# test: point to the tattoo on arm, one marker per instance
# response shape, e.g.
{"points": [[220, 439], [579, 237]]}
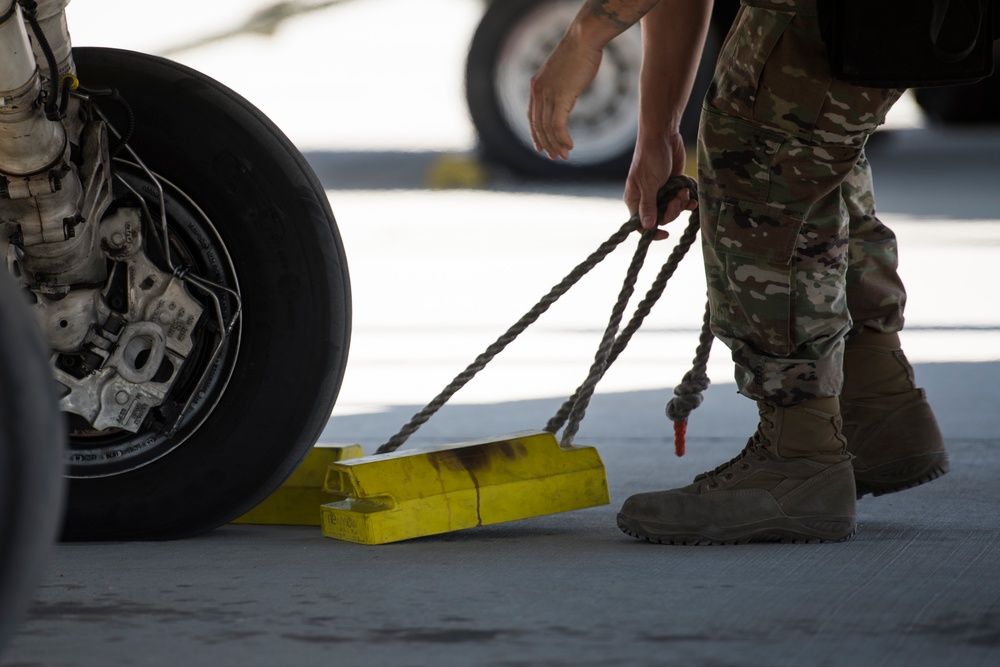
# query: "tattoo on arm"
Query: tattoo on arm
{"points": [[624, 13]]}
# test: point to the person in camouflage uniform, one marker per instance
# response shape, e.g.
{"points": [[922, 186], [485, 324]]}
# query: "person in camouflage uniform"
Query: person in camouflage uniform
{"points": [[801, 273], [791, 241]]}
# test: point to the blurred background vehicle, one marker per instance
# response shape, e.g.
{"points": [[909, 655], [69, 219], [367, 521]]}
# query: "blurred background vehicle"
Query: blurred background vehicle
{"points": [[511, 43], [514, 38]]}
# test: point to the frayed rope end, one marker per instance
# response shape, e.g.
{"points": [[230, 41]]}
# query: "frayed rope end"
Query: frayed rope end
{"points": [[680, 437], [687, 397]]}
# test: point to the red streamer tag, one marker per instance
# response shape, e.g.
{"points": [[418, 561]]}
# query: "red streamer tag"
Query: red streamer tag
{"points": [[680, 434]]}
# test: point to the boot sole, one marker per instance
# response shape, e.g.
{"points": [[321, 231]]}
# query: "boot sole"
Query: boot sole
{"points": [[901, 475], [784, 530]]}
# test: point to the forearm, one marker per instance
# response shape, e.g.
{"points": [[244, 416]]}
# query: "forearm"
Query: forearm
{"points": [[600, 21], [673, 36]]}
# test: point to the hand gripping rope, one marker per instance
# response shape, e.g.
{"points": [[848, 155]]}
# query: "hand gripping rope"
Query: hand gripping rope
{"points": [[687, 395]]}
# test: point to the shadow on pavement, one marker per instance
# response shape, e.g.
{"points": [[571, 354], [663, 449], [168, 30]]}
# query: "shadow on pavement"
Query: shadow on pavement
{"points": [[927, 173], [965, 397]]}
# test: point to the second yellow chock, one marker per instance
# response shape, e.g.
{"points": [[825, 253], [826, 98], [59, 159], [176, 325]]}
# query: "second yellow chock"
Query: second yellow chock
{"points": [[419, 492], [297, 501]]}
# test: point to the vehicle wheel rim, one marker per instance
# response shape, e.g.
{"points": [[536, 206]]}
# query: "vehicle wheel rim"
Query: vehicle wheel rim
{"points": [[196, 242]]}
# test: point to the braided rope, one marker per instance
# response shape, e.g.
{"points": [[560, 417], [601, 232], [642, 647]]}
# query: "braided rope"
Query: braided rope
{"points": [[688, 394], [504, 340], [612, 343], [642, 310], [601, 358]]}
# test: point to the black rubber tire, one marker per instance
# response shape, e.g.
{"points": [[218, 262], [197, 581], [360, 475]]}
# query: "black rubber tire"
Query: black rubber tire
{"points": [[32, 438], [500, 143], [275, 221]]}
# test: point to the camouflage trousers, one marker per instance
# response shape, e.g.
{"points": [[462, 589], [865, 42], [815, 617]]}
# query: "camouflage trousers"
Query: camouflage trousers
{"points": [[795, 257]]}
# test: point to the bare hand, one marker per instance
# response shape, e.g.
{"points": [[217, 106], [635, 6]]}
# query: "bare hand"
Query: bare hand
{"points": [[564, 76], [656, 159]]}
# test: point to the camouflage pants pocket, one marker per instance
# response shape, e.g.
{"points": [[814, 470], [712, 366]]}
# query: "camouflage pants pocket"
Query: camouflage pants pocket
{"points": [[776, 289], [748, 259]]}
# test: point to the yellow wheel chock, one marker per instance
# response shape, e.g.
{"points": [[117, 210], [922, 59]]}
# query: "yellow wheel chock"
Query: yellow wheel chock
{"points": [[297, 501], [456, 172], [393, 496], [428, 491]]}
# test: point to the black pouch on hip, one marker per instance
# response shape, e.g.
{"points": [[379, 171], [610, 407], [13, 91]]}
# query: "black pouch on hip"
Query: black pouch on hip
{"points": [[909, 43]]}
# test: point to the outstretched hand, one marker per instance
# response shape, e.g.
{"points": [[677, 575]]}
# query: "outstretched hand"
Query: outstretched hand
{"points": [[565, 75]]}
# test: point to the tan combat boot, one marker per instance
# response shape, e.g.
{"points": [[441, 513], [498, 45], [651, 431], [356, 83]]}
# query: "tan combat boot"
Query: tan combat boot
{"points": [[888, 423], [792, 483]]}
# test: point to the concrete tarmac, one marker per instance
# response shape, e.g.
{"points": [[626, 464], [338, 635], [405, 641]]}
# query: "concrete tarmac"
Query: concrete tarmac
{"points": [[437, 276], [918, 584]]}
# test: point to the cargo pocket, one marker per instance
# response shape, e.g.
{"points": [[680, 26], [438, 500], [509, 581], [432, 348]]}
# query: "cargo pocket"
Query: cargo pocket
{"points": [[752, 277], [756, 232]]}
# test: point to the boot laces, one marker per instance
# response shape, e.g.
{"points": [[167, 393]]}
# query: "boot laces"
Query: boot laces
{"points": [[757, 443]]}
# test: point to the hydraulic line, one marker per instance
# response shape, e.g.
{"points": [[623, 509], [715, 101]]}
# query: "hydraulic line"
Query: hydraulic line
{"points": [[29, 141]]}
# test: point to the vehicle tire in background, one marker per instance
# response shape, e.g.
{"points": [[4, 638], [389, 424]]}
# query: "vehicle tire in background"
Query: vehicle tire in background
{"points": [[512, 41], [32, 438]]}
